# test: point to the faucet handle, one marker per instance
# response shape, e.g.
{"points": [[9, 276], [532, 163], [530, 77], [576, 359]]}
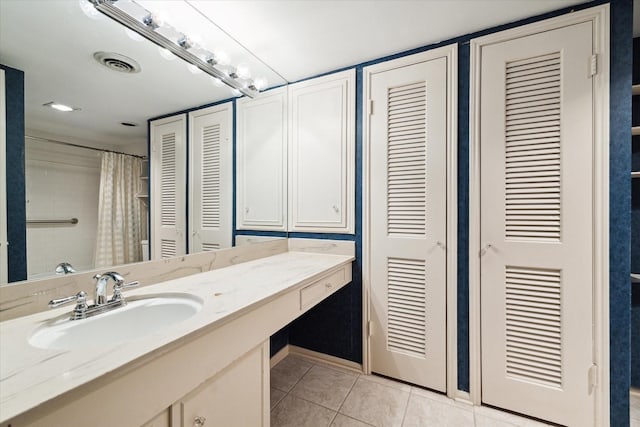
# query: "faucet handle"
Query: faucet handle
{"points": [[81, 297], [80, 310], [119, 286]]}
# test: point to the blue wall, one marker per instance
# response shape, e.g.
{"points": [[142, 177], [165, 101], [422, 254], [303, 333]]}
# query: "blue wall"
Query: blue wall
{"points": [[16, 216], [619, 212]]}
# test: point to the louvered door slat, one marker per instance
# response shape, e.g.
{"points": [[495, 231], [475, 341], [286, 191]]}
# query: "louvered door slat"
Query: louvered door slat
{"points": [[168, 180], [211, 176], [531, 162], [406, 159]]}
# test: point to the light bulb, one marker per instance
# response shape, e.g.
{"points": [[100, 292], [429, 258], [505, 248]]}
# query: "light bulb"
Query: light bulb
{"points": [[166, 54], [154, 20], [243, 71], [89, 9], [133, 35], [222, 58], [61, 107], [194, 69], [260, 83], [185, 42]]}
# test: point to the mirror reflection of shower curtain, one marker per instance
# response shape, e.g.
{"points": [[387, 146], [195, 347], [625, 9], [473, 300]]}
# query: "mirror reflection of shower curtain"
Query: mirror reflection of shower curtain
{"points": [[119, 225]]}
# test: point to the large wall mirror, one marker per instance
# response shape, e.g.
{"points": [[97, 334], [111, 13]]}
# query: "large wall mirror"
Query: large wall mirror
{"points": [[115, 81]]}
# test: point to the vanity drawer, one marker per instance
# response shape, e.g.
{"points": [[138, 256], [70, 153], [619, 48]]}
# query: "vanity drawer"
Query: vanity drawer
{"points": [[322, 288]]}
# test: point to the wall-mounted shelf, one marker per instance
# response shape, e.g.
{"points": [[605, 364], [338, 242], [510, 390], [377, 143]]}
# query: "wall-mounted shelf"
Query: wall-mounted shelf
{"points": [[635, 89], [635, 277], [635, 130], [144, 198], [635, 174]]}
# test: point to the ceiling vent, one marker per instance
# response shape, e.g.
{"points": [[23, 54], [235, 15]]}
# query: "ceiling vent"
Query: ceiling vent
{"points": [[117, 62]]}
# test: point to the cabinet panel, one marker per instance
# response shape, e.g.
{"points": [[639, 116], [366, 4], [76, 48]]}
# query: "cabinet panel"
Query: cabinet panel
{"points": [[237, 397], [168, 183], [321, 154], [161, 420], [261, 161], [210, 178]]}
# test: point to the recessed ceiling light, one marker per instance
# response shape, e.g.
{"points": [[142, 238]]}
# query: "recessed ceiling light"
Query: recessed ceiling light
{"points": [[60, 107]]}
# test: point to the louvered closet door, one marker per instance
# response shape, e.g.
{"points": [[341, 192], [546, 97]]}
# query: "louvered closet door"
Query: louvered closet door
{"points": [[408, 223], [536, 213], [168, 187], [211, 179]]}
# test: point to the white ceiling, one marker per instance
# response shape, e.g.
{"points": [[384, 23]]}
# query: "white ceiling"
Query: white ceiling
{"points": [[300, 39], [283, 40]]}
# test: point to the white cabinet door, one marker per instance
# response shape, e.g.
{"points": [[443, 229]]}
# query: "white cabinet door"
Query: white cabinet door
{"points": [[536, 154], [261, 161], [237, 397], [168, 187], [322, 154], [210, 178]]}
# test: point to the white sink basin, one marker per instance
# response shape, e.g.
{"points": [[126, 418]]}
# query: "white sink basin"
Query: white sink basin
{"points": [[138, 318]]}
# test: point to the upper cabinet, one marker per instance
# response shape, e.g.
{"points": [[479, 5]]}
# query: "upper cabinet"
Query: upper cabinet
{"points": [[262, 161], [321, 154], [296, 155]]}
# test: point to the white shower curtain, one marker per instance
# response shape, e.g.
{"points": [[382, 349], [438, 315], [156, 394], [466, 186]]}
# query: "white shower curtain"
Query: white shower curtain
{"points": [[119, 225]]}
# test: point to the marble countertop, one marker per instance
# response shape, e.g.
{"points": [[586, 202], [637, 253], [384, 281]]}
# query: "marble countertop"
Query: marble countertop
{"points": [[30, 376]]}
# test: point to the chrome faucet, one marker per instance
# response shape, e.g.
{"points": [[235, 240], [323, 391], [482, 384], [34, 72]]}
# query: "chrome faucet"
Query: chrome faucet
{"points": [[100, 295], [65, 268], [100, 303]]}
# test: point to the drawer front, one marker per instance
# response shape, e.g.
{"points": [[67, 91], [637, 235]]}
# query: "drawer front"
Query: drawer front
{"points": [[322, 288]]}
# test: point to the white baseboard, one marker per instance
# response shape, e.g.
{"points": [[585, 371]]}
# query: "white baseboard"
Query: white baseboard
{"points": [[462, 396], [277, 358], [315, 357]]}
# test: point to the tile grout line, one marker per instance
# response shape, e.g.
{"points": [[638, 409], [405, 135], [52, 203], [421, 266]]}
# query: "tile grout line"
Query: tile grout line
{"points": [[292, 387], [347, 396], [406, 408]]}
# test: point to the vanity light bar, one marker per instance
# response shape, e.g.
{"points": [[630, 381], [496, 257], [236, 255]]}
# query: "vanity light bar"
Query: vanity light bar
{"points": [[107, 7]]}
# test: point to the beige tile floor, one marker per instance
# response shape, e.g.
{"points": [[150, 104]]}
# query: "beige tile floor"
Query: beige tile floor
{"points": [[307, 394]]}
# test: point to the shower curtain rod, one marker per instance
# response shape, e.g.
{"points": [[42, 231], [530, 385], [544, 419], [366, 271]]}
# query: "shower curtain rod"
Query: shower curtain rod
{"points": [[53, 141]]}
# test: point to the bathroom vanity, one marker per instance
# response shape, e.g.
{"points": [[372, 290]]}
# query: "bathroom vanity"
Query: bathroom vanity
{"points": [[211, 368]]}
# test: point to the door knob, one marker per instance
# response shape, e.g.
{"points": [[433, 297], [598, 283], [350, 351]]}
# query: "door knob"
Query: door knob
{"points": [[485, 249]]}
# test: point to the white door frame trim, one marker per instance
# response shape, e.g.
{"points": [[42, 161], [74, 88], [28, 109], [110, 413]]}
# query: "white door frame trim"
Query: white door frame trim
{"points": [[599, 17], [449, 52], [4, 263]]}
